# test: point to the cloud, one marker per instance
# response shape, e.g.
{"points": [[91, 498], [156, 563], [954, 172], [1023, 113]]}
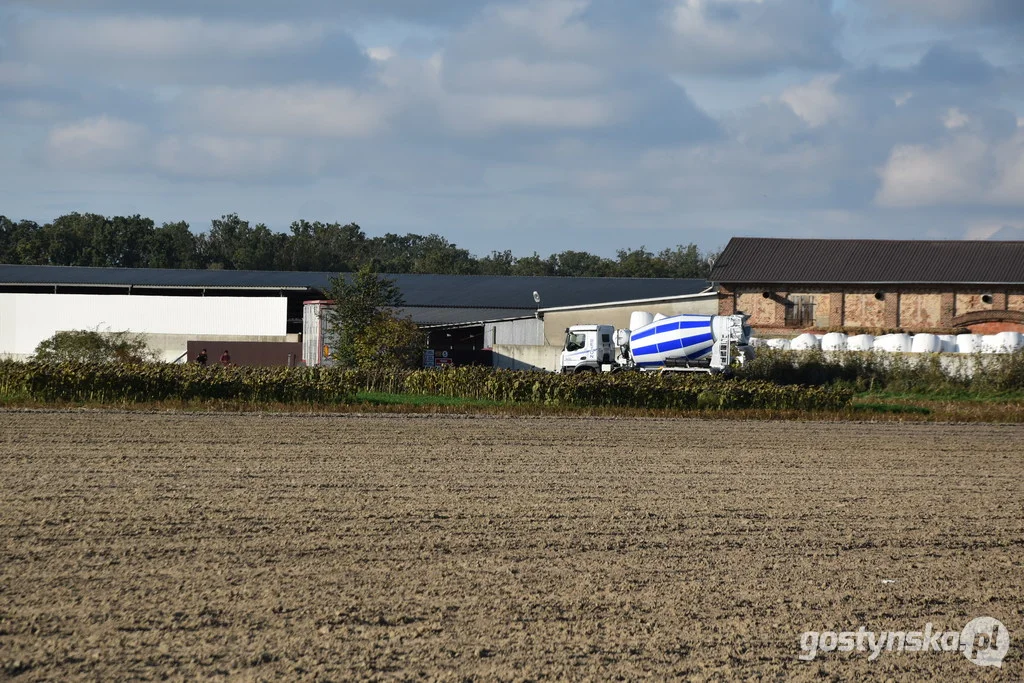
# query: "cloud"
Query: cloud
{"points": [[290, 111], [815, 102], [955, 118], [753, 37], [183, 50], [954, 12], [101, 142], [414, 11], [963, 170]]}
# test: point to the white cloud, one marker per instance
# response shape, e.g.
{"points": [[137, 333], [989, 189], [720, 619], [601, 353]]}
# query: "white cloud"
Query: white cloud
{"points": [[955, 118], [1009, 160], [956, 11], [752, 37], [380, 54], [222, 157], [476, 114], [816, 102], [916, 175], [161, 38], [514, 73], [900, 100], [963, 170], [97, 143], [300, 111], [20, 74]]}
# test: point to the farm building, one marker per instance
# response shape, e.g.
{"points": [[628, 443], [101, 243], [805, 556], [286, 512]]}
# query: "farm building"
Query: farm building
{"points": [[175, 307], [787, 285]]}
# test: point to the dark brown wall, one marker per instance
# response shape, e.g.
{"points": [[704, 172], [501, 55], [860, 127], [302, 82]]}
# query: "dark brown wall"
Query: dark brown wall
{"points": [[248, 353]]}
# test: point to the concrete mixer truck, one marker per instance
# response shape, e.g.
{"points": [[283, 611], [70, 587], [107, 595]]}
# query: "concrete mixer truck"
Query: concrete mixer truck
{"points": [[688, 343]]}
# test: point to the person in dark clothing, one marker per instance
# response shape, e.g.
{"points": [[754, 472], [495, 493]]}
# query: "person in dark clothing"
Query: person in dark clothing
{"points": [[201, 358], [225, 358]]}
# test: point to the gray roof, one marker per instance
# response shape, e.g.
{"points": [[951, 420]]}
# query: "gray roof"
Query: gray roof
{"points": [[440, 291], [812, 261]]}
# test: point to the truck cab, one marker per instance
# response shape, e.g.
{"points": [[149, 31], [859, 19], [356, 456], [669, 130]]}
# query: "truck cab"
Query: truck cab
{"points": [[587, 348]]}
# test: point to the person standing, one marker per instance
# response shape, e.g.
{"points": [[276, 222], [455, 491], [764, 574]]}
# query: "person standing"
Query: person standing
{"points": [[201, 358], [225, 358]]}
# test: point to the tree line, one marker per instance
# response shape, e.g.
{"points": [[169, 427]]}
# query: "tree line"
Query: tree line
{"points": [[231, 243]]}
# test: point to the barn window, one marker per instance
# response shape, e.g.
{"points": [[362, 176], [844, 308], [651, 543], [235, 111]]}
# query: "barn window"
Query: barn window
{"points": [[986, 298], [800, 310]]}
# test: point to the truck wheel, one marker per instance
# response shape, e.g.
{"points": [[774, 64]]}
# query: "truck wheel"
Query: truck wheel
{"points": [[585, 369]]}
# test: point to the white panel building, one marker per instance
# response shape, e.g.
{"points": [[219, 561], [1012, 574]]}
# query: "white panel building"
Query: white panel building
{"points": [[167, 322]]}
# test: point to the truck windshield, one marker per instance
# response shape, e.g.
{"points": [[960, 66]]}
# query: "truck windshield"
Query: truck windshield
{"points": [[575, 341]]}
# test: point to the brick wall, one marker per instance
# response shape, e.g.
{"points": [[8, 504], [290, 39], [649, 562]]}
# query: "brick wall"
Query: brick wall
{"points": [[913, 308]]}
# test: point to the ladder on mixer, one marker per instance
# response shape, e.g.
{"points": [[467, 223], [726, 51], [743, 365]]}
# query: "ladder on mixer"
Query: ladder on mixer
{"points": [[723, 354]]}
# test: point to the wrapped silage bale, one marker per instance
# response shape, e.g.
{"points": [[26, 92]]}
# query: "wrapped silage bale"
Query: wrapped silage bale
{"points": [[779, 344], [968, 343], [893, 343], [805, 342], [925, 343], [834, 341], [1009, 342], [991, 343], [948, 343], [860, 342]]}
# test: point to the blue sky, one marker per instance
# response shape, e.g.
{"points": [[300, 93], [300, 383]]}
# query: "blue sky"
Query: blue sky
{"points": [[530, 125]]}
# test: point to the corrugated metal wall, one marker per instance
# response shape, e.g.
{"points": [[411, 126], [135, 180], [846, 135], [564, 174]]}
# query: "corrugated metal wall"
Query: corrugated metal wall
{"points": [[526, 332], [27, 319]]}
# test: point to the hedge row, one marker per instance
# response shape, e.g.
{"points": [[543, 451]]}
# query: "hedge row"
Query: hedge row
{"points": [[114, 383]]}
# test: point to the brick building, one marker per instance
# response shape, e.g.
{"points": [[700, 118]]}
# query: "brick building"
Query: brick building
{"points": [[788, 285]]}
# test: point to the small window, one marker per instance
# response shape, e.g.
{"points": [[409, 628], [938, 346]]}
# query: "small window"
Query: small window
{"points": [[879, 296], [800, 310], [986, 298], [606, 338], [574, 341]]}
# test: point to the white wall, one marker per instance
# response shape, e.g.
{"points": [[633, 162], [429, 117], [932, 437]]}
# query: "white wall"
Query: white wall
{"points": [[27, 319], [527, 357]]}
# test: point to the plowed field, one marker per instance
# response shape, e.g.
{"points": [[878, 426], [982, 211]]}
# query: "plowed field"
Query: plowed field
{"points": [[144, 546]]}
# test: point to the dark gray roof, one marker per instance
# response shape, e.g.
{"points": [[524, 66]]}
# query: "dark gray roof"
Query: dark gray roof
{"points": [[441, 291], [798, 261], [429, 316]]}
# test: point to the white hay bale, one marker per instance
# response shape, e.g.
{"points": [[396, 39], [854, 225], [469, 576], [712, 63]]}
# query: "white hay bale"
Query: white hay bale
{"points": [[860, 342], [834, 341], [805, 342]]}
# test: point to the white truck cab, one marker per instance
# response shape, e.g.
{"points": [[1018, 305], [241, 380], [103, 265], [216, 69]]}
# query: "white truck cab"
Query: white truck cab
{"points": [[588, 348]]}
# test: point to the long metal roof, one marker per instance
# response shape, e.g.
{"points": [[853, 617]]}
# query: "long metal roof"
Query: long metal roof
{"points": [[766, 260], [439, 291]]}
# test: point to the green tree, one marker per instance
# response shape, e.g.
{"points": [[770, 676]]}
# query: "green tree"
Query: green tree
{"points": [[533, 265], [359, 300], [390, 342], [582, 264], [174, 245], [497, 263], [93, 346]]}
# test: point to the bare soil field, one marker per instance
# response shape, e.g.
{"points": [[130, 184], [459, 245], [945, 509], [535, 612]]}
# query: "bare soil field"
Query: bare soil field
{"points": [[151, 546]]}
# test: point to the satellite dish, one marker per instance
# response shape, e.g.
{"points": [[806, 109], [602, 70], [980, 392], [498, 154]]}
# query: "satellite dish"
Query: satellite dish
{"points": [[536, 297]]}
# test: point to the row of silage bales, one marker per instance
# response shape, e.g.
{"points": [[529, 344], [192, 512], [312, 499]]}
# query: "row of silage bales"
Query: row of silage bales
{"points": [[925, 343], [860, 342], [1003, 342], [968, 343], [893, 343], [834, 341], [805, 342]]}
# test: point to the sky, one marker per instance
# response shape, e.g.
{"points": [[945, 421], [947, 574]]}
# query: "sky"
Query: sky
{"points": [[528, 125]]}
